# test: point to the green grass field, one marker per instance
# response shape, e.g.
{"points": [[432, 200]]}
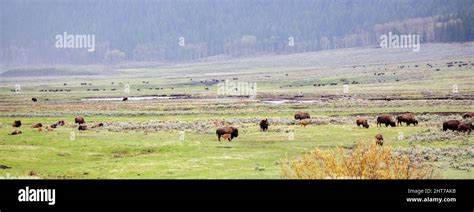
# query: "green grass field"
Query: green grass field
{"points": [[144, 139]]}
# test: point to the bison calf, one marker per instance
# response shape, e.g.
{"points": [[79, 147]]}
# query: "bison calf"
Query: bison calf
{"points": [[379, 139]]}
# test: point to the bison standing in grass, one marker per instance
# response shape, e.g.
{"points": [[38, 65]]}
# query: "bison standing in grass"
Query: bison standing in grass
{"points": [[385, 119], [467, 115], [302, 115], [234, 132], [264, 125], [451, 125], [465, 127], [379, 139], [16, 123], [37, 125], [408, 118], [79, 120], [362, 122]]}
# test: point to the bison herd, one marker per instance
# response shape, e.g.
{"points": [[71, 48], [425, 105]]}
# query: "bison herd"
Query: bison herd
{"points": [[39, 126], [303, 118]]}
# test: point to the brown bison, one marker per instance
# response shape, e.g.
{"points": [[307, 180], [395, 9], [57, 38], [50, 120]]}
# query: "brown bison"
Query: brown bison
{"points": [[362, 122], [467, 115], [264, 125], [234, 132], [82, 127], [16, 123], [37, 125], [61, 123], [124, 98], [465, 127], [302, 115], [385, 119], [55, 125], [79, 120], [304, 122], [451, 125], [408, 118], [34, 99], [379, 139], [16, 132]]}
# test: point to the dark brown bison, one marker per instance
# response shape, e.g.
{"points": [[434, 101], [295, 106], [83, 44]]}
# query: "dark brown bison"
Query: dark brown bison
{"points": [[16, 123], [385, 119], [362, 122], [302, 115], [37, 125], [234, 132], [451, 125], [124, 98], [16, 132], [79, 120], [465, 127], [467, 115], [408, 118], [264, 125], [61, 123], [379, 139], [82, 127], [34, 99], [55, 125]]}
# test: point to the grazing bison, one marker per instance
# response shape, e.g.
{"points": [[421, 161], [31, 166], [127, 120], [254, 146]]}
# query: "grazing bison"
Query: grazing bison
{"points": [[385, 119], [465, 127], [362, 121], [37, 125], [467, 115], [302, 115], [16, 123], [61, 123], [408, 118], [16, 132], [227, 130], [451, 125], [53, 125], [82, 127], [34, 99], [304, 122], [379, 139], [264, 125], [79, 120]]}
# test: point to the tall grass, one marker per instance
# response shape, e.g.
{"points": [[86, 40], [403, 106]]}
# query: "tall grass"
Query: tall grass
{"points": [[364, 161]]}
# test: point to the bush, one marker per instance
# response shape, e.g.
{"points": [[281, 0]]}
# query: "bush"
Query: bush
{"points": [[364, 161]]}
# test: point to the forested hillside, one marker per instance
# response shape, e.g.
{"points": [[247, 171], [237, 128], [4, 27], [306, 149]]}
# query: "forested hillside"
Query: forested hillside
{"points": [[153, 30]]}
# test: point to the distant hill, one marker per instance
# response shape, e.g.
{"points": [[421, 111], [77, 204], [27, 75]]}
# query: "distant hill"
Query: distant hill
{"points": [[152, 31]]}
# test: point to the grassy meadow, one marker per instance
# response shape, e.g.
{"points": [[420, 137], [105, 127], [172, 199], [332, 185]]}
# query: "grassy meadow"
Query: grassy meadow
{"points": [[174, 136]]}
